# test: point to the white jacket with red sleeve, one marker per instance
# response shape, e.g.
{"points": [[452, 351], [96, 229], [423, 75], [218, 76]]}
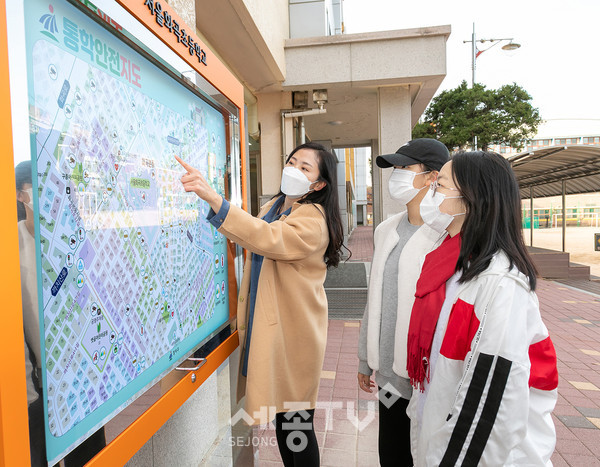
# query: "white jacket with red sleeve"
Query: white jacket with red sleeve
{"points": [[493, 386]]}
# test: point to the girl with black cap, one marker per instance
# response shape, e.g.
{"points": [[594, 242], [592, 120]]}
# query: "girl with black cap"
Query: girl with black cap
{"points": [[401, 242]]}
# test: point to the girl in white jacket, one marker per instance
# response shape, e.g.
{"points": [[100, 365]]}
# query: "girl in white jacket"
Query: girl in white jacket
{"points": [[478, 352]]}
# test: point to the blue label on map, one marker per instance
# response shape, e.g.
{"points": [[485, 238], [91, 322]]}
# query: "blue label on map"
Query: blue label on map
{"points": [[64, 92], [173, 140], [59, 281]]}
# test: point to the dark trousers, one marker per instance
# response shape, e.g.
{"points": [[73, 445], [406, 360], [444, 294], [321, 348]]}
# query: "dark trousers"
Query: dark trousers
{"points": [[394, 433], [296, 438]]}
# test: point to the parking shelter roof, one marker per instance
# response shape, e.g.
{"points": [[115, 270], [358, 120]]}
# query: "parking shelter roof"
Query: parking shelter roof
{"points": [[545, 169]]}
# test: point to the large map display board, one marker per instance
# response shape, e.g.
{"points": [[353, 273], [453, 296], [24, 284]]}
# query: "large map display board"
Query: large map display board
{"points": [[131, 277]]}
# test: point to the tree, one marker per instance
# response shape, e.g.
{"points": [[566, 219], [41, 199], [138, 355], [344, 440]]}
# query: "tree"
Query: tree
{"points": [[495, 116]]}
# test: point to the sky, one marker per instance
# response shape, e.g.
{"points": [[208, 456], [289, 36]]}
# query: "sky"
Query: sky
{"points": [[558, 63]]}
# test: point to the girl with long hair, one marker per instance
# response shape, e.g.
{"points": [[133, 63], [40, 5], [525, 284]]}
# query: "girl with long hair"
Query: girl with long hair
{"points": [[479, 354], [282, 307]]}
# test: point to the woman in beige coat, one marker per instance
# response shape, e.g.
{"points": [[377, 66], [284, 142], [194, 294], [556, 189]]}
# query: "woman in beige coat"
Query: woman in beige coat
{"points": [[282, 308]]}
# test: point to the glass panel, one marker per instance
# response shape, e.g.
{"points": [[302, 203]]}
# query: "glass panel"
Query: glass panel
{"points": [[122, 276]]}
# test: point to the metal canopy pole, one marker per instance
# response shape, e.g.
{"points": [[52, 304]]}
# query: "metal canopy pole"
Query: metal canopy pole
{"points": [[530, 216], [564, 214]]}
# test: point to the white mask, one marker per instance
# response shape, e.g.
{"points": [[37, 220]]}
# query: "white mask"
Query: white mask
{"points": [[401, 185], [294, 183], [431, 214], [29, 191]]}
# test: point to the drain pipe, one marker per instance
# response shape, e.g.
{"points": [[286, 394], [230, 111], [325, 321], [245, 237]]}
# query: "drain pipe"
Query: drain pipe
{"points": [[302, 130]]}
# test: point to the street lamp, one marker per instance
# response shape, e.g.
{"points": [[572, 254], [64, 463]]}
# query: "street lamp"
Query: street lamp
{"points": [[475, 52]]}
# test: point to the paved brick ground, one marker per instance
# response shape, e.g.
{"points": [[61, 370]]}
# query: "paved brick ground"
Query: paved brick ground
{"points": [[346, 421], [360, 243]]}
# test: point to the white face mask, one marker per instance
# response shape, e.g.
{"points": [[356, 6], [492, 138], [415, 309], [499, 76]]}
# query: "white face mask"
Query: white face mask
{"points": [[401, 185], [431, 214], [29, 191], [294, 183]]}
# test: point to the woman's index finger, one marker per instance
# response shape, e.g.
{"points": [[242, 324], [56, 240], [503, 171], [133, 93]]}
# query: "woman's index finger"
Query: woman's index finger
{"points": [[185, 165]]}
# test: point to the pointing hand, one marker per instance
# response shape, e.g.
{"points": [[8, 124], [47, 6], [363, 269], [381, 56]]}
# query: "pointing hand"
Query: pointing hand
{"points": [[193, 181]]}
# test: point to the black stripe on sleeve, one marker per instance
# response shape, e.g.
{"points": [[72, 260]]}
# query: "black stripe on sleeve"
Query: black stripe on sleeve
{"points": [[489, 412], [469, 408]]}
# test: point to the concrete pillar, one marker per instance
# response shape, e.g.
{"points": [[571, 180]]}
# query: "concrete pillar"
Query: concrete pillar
{"points": [[271, 152], [395, 128]]}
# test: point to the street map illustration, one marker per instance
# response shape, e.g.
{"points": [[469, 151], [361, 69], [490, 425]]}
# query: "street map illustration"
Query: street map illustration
{"points": [[131, 275]]}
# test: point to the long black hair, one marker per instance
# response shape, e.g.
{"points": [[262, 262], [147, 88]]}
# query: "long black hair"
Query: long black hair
{"points": [[493, 215], [22, 176], [328, 198]]}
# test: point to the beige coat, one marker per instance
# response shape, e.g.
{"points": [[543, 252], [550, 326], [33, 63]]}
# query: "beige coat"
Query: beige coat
{"points": [[289, 330]]}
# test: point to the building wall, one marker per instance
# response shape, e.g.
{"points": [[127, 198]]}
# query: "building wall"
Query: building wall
{"points": [[269, 117], [198, 432], [361, 174], [186, 9], [354, 203], [273, 24], [350, 164], [557, 132], [314, 18], [345, 208]]}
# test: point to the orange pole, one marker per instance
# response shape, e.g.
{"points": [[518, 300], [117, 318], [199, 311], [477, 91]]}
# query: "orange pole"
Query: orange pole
{"points": [[14, 429]]}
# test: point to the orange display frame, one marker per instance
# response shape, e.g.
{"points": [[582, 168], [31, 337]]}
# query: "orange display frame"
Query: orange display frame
{"points": [[14, 433], [14, 430]]}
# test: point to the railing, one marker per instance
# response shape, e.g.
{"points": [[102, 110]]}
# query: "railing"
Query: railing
{"points": [[592, 216]]}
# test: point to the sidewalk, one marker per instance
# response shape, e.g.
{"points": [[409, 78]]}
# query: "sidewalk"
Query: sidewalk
{"points": [[573, 319]]}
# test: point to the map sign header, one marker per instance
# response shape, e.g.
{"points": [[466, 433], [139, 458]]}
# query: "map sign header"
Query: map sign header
{"points": [[165, 19]]}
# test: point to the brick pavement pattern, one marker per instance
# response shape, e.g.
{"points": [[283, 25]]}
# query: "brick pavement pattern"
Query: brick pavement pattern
{"points": [[346, 420]]}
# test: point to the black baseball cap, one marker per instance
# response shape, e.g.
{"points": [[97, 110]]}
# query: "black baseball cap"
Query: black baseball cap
{"points": [[431, 152]]}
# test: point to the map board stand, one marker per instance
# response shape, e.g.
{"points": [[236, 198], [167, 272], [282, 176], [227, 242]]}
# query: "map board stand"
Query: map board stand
{"points": [[14, 442]]}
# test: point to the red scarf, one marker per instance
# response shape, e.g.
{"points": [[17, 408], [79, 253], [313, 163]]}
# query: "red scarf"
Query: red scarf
{"points": [[439, 266]]}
